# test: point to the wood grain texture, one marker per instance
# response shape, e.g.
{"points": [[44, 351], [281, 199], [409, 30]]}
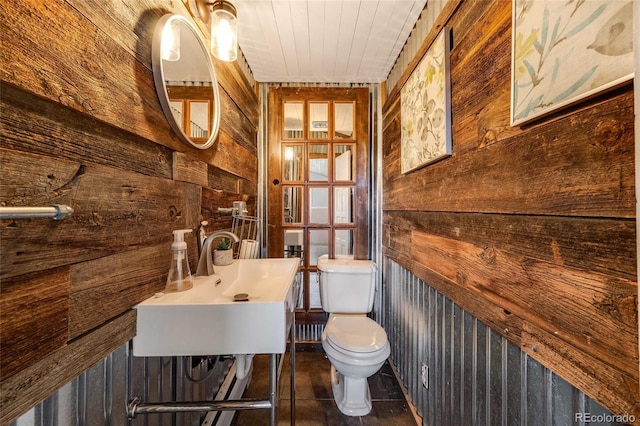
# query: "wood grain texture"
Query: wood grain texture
{"points": [[128, 210], [231, 157], [97, 76], [599, 381], [40, 126], [580, 165], [609, 244], [531, 229], [107, 287], [33, 384], [559, 299], [189, 169], [112, 86], [82, 125], [36, 306]]}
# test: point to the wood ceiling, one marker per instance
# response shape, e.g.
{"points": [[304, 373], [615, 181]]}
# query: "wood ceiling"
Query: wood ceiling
{"points": [[331, 41]]}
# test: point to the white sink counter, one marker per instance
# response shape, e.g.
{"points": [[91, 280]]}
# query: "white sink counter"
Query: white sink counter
{"points": [[206, 320]]}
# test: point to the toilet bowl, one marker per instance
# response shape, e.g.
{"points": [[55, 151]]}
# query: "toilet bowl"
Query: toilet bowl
{"points": [[355, 345]]}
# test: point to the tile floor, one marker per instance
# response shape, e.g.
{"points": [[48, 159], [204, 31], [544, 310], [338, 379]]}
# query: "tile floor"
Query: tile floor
{"points": [[314, 398]]}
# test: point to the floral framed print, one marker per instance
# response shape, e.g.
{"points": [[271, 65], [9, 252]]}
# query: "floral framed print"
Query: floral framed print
{"points": [[567, 51], [425, 108]]}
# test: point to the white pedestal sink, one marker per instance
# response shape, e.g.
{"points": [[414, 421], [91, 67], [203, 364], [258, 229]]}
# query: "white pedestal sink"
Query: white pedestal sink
{"points": [[206, 320]]}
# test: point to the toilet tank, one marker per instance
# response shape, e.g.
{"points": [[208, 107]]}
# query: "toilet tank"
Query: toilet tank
{"points": [[347, 286]]}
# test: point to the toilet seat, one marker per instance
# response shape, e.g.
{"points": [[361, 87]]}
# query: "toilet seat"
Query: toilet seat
{"points": [[357, 337]]}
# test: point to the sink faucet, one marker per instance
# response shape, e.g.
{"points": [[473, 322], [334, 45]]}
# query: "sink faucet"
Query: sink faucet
{"points": [[205, 264]]}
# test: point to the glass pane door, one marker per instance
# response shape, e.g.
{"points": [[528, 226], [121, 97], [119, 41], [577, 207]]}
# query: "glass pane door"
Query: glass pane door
{"points": [[319, 180]]}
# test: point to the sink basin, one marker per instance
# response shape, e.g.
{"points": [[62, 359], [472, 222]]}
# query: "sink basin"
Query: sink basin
{"points": [[206, 320]]}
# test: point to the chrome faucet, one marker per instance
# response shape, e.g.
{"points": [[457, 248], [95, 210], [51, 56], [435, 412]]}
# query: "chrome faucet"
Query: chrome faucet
{"points": [[205, 263]]}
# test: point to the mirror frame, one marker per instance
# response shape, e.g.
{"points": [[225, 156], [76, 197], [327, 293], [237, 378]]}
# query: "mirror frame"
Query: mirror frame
{"points": [[161, 87]]}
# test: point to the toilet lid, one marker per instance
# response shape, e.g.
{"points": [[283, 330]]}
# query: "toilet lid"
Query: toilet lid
{"points": [[355, 333]]}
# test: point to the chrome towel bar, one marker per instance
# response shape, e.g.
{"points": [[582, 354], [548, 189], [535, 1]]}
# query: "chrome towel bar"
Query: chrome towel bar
{"points": [[55, 212]]}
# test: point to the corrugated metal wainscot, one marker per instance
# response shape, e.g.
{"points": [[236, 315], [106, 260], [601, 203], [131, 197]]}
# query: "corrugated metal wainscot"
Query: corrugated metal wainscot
{"points": [[473, 375], [99, 396]]}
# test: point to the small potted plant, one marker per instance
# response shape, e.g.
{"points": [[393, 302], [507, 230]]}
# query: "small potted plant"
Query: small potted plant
{"points": [[223, 255]]}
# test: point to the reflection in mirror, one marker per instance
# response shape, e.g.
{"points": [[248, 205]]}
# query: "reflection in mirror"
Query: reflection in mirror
{"points": [[318, 162], [292, 204], [292, 166], [343, 120], [293, 243], [171, 41], [293, 120], [343, 242], [300, 300], [318, 120], [318, 244], [319, 205], [176, 110], [314, 291], [189, 77], [199, 119], [343, 204], [343, 163]]}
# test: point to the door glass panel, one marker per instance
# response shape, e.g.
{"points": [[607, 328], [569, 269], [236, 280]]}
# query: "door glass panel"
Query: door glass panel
{"points": [[318, 244], [318, 162], [343, 242], [293, 120], [319, 205], [343, 204], [292, 204], [343, 120], [318, 120], [292, 167], [343, 162], [300, 293], [294, 243], [176, 110], [198, 119], [314, 291]]}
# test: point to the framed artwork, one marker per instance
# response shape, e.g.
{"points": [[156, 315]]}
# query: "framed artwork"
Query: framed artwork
{"points": [[567, 51], [425, 108]]}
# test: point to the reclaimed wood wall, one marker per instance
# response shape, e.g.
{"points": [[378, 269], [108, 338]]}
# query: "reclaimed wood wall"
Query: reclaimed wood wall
{"points": [[531, 229], [81, 125]]}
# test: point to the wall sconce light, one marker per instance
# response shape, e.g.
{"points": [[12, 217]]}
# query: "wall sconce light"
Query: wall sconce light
{"points": [[222, 19], [170, 49], [224, 31]]}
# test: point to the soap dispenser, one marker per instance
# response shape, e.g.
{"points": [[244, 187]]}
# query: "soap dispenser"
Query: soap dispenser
{"points": [[179, 278]]}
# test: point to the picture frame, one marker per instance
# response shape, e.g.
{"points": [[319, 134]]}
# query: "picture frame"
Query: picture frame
{"points": [[566, 52], [425, 104]]}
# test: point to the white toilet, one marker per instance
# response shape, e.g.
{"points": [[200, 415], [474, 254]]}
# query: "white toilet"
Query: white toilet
{"points": [[356, 345]]}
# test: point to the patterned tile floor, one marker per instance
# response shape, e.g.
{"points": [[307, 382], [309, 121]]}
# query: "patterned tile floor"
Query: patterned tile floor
{"points": [[314, 398]]}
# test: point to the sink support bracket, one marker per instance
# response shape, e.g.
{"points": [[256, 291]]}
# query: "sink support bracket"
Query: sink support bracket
{"points": [[135, 406]]}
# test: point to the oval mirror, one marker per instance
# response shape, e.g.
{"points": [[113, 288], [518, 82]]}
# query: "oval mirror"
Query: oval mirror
{"points": [[185, 81]]}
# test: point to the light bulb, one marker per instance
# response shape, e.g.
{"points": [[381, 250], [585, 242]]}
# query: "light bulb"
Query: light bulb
{"points": [[171, 41], [288, 154], [224, 33]]}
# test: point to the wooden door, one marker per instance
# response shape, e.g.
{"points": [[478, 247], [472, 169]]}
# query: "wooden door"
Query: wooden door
{"points": [[318, 180]]}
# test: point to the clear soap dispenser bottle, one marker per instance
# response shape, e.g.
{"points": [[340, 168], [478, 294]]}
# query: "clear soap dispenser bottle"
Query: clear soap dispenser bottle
{"points": [[179, 278]]}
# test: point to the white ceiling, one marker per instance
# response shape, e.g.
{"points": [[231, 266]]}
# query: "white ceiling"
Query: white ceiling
{"points": [[329, 41]]}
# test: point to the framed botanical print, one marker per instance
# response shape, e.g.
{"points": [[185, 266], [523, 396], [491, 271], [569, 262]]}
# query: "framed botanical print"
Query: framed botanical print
{"points": [[425, 108], [567, 51]]}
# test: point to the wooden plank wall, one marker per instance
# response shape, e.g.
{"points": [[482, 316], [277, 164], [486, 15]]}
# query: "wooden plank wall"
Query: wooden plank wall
{"points": [[531, 229], [81, 125]]}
